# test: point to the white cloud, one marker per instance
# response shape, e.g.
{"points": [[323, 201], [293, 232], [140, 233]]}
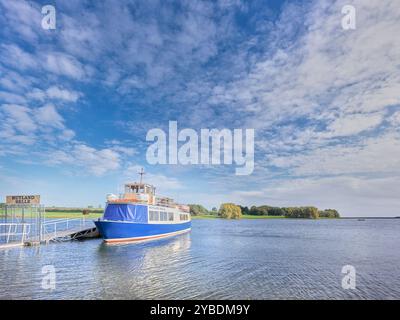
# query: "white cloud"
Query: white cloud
{"points": [[62, 94], [22, 18], [14, 82], [19, 117], [162, 182], [353, 124], [21, 124], [124, 150], [57, 63], [67, 134], [64, 65], [95, 161], [376, 155], [395, 119], [36, 94], [48, 116], [12, 55], [9, 97], [326, 71], [56, 93]]}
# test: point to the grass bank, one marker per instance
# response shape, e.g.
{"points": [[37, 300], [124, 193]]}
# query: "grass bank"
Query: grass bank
{"points": [[65, 215], [204, 216], [246, 216]]}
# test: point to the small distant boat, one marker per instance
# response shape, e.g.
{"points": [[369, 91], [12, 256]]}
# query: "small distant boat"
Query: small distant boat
{"points": [[139, 215]]}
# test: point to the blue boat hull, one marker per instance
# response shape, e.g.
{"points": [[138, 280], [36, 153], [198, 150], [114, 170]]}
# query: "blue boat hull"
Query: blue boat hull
{"points": [[114, 231]]}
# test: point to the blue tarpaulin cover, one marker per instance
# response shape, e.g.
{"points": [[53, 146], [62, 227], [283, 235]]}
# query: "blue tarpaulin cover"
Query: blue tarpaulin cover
{"points": [[126, 212]]}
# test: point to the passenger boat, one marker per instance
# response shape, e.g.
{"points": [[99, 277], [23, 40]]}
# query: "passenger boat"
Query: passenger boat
{"points": [[139, 215]]}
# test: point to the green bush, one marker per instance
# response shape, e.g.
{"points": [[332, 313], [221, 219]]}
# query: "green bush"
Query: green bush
{"points": [[329, 213], [230, 211], [197, 209]]}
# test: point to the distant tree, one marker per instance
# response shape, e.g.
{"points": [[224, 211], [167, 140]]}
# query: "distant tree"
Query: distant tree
{"points": [[265, 210], [329, 213], [256, 211], [236, 212], [245, 210], [312, 213], [197, 209], [230, 211], [302, 212], [275, 211]]}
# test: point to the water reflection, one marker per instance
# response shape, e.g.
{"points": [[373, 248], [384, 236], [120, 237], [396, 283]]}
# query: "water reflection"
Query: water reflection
{"points": [[143, 268], [277, 259]]}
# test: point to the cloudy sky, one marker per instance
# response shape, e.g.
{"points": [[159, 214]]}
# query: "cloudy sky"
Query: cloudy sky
{"points": [[76, 102]]}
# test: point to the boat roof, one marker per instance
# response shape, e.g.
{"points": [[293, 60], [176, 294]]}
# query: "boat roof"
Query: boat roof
{"points": [[128, 184]]}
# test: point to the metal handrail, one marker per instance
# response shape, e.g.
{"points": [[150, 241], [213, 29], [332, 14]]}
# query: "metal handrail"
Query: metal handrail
{"points": [[45, 226], [13, 230], [53, 228]]}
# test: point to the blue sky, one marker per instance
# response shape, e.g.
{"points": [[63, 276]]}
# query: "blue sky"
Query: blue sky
{"points": [[76, 102]]}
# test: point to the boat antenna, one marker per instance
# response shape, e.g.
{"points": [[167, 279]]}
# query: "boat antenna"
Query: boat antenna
{"points": [[141, 175]]}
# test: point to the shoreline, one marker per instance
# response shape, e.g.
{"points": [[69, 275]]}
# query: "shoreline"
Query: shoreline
{"points": [[78, 214]]}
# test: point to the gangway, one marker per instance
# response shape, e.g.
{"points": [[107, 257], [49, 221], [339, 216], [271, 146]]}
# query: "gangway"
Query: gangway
{"points": [[66, 229], [56, 230]]}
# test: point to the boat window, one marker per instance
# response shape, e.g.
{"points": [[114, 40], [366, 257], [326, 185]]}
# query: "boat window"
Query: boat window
{"points": [[154, 216], [163, 216], [170, 216]]}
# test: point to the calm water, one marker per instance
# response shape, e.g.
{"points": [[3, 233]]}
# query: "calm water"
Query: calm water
{"points": [[219, 259]]}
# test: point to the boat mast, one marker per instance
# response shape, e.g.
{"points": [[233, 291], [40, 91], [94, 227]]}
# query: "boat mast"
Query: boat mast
{"points": [[141, 175]]}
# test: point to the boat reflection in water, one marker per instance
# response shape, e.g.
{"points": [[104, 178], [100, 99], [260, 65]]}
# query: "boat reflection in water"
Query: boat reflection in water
{"points": [[145, 270]]}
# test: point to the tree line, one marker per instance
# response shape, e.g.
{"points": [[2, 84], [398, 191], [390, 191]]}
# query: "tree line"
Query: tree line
{"points": [[233, 211], [291, 212]]}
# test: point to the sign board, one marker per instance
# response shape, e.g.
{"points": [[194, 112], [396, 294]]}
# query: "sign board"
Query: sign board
{"points": [[24, 199]]}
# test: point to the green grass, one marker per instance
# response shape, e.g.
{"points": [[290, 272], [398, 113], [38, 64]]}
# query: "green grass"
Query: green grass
{"points": [[246, 216], [78, 214], [64, 215], [205, 216]]}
